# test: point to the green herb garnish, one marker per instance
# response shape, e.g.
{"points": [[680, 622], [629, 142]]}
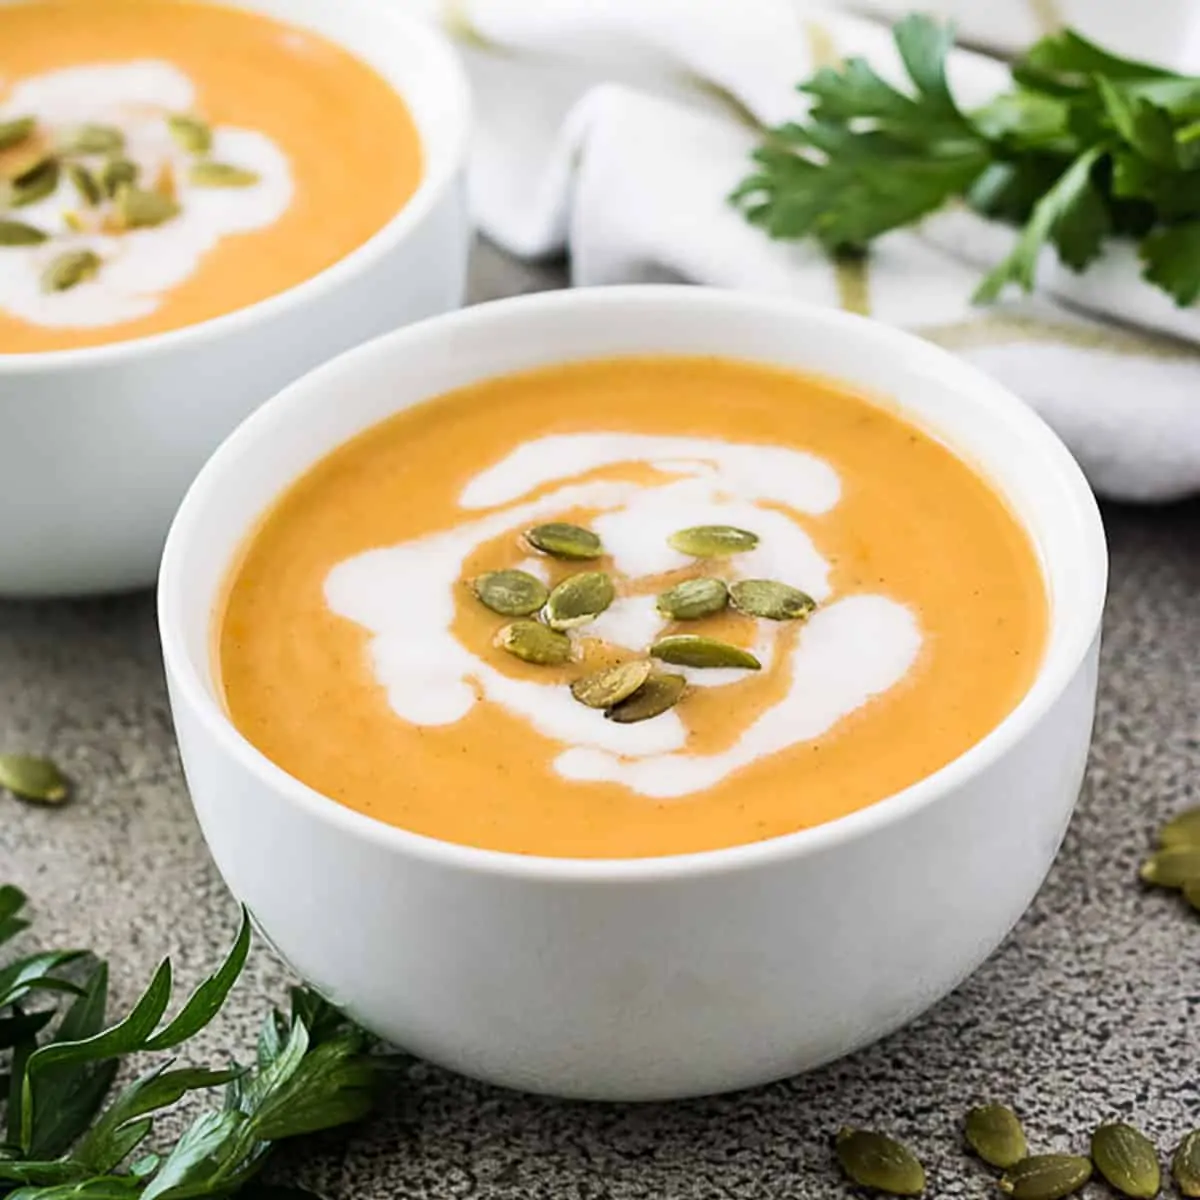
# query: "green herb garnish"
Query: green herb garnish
{"points": [[1087, 147]]}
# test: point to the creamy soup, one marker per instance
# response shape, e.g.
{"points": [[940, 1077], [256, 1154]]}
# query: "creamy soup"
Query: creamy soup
{"points": [[163, 162], [630, 607]]}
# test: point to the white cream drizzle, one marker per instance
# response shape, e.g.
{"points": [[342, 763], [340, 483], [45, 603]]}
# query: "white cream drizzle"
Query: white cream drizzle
{"points": [[853, 648], [142, 266]]}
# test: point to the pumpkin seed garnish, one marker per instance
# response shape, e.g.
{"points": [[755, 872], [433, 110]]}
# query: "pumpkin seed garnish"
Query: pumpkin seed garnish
{"points": [[117, 173], [693, 599], [34, 183], [1128, 1160], [222, 175], [140, 209], [510, 593], [770, 600], [17, 233], [691, 650], [1181, 830], [560, 540], [35, 779], [657, 695], [1046, 1177], [995, 1134], [13, 133], [713, 541], [85, 183], [579, 599], [92, 139], [532, 642], [1172, 868], [873, 1160], [191, 134], [1185, 1165], [610, 687], [69, 270]]}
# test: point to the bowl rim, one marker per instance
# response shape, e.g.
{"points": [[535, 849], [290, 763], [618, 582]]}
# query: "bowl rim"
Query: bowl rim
{"points": [[433, 44], [1071, 636]]}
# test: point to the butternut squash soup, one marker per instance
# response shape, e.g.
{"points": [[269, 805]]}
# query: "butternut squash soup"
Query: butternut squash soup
{"points": [[163, 162], [630, 607]]}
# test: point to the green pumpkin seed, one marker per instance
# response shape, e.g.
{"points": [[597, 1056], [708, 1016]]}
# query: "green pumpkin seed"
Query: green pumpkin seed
{"points": [[1181, 830], [1046, 1177], [770, 600], [1128, 1160], [657, 695], [17, 233], [1185, 1165], [873, 1160], [532, 642], [13, 133], [995, 1134], [118, 173], [607, 688], [713, 541], [70, 270], [222, 175], [693, 599], [85, 183], [34, 183], [34, 779], [92, 139], [510, 593], [691, 650], [191, 134], [560, 540], [579, 599], [1172, 868], [140, 209]]}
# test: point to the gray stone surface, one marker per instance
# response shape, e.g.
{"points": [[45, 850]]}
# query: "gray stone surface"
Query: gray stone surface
{"points": [[1091, 1009]]}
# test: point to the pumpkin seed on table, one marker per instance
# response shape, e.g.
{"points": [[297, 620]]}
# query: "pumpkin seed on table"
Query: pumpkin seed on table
{"points": [[191, 134], [17, 233], [92, 139], [222, 175], [13, 133], [693, 599], [561, 540], [140, 209], [1185, 1165], [116, 173], [579, 599], [511, 593], [770, 600], [873, 1160], [85, 183], [1181, 830], [713, 541], [34, 779], [70, 270], [611, 686], [691, 650], [1172, 868], [532, 642], [659, 694], [34, 183], [1046, 1177], [995, 1134], [1128, 1160]]}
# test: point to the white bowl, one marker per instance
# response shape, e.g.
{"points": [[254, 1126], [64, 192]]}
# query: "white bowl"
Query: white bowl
{"points": [[649, 978], [98, 445]]}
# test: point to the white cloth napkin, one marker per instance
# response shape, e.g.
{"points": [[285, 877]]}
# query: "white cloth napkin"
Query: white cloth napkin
{"points": [[617, 128]]}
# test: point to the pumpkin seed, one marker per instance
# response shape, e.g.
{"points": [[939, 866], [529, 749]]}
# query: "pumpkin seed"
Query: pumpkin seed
{"points": [[1046, 1177], [34, 183], [610, 687], [657, 695], [693, 599], [69, 270], [532, 642], [691, 650], [1185, 1165], [873, 1160], [771, 600], [85, 183], [510, 593], [1181, 830], [713, 541], [1128, 1160], [13, 133], [222, 175], [118, 173], [34, 779], [995, 1134], [579, 599], [92, 139], [140, 209], [17, 233], [560, 540], [191, 134], [1172, 868]]}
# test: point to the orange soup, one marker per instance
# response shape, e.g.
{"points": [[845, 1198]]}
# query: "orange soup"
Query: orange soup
{"points": [[630, 607], [163, 162]]}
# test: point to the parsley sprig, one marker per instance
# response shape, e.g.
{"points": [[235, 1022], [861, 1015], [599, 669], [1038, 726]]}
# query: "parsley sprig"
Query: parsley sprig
{"points": [[1086, 147], [59, 1056]]}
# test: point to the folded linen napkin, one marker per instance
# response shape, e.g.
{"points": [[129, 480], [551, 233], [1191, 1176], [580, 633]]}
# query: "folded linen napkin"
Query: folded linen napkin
{"points": [[617, 129]]}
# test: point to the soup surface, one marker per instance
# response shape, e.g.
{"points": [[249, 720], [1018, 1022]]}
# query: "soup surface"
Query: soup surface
{"points": [[163, 162], [355, 652]]}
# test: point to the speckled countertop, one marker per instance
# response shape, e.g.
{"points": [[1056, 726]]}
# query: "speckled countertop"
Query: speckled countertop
{"points": [[1091, 1009]]}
